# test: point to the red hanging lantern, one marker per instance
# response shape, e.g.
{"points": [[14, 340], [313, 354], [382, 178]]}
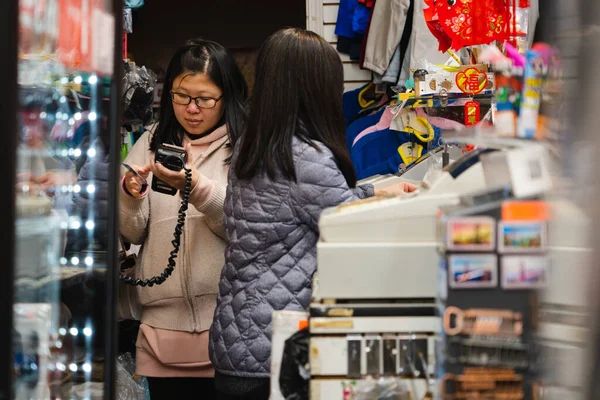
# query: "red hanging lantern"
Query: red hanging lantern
{"points": [[460, 23]]}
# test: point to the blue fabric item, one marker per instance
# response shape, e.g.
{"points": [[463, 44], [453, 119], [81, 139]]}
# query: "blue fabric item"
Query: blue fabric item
{"points": [[80, 134], [134, 3], [350, 103], [343, 26], [377, 153], [271, 255], [360, 19], [360, 125]]}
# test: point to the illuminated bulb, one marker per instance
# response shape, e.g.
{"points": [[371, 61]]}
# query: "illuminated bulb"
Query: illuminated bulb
{"points": [[64, 153], [70, 152], [63, 260], [59, 115], [75, 260], [93, 80], [63, 99], [90, 225], [92, 116], [91, 153], [64, 80], [77, 153], [25, 188], [62, 331], [91, 188], [77, 188], [61, 367], [64, 188], [78, 80], [89, 261], [75, 225], [87, 331], [65, 116], [77, 116], [43, 115], [71, 121], [73, 367], [74, 331], [87, 367]]}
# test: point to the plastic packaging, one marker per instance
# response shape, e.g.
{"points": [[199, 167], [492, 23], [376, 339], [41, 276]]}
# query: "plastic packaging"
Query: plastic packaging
{"points": [[382, 389], [129, 385], [294, 375], [127, 20], [531, 96], [138, 94], [285, 324]]}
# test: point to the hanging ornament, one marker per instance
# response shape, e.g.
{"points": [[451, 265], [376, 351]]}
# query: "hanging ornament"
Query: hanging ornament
{"points": [[460, 23], [472, 113], [471, 81]]}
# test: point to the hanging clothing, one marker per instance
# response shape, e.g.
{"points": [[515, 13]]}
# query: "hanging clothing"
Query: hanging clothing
{"points": [[356, 127], [384, 123], [385, 33], [353, 102], [350, 27], [377, 153], [392, 74]]}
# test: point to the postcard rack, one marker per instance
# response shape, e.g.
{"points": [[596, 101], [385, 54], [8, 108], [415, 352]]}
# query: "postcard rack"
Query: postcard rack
{"points": [[494, 257]]}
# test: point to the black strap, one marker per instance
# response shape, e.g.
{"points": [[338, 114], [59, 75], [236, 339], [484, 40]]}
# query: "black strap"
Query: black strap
{"points": [[159, 279]]}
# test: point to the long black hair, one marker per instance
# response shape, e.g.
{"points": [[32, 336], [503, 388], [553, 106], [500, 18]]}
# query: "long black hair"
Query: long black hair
{"points": [[203, 57], [297, 92]]}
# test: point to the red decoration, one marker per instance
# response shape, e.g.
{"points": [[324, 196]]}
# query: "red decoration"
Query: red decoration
{"points": [[460, 23], [472, 113], [125, 50], [471, 81]]}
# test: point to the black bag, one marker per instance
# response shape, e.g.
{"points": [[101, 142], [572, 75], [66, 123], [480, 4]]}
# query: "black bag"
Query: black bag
{"points": [[294, 375]]}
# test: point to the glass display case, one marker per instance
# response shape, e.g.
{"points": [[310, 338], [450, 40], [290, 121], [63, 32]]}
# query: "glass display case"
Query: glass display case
{"points": [[60, 78]]}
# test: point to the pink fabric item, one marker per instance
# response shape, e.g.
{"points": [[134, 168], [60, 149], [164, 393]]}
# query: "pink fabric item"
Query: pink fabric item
{"points": [[163, 353], [205, 187], [384, 123], [199, 146], [441, 123]]}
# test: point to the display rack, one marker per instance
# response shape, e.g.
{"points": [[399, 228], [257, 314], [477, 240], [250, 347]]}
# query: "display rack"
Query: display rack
{"points": [[55, 343]]}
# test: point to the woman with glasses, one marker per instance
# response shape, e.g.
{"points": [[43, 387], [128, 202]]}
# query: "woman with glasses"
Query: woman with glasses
{"points": [[202, 110]]}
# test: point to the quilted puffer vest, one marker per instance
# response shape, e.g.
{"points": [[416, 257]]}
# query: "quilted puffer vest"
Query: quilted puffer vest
{"points": [[272, 228]]}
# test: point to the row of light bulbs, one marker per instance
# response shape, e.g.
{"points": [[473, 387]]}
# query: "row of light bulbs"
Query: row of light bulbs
{"points": [[89, 261], [87, 331], [78, 80], [86, 367], [92, 116]]}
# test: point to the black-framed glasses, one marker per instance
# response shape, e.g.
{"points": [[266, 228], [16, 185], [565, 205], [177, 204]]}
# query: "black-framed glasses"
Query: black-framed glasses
{"points": [[201, 101]]}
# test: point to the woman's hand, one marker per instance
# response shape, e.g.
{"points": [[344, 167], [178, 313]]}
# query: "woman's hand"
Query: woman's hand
{"points": [[176, 179], [133, 184], [396, 189]]}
